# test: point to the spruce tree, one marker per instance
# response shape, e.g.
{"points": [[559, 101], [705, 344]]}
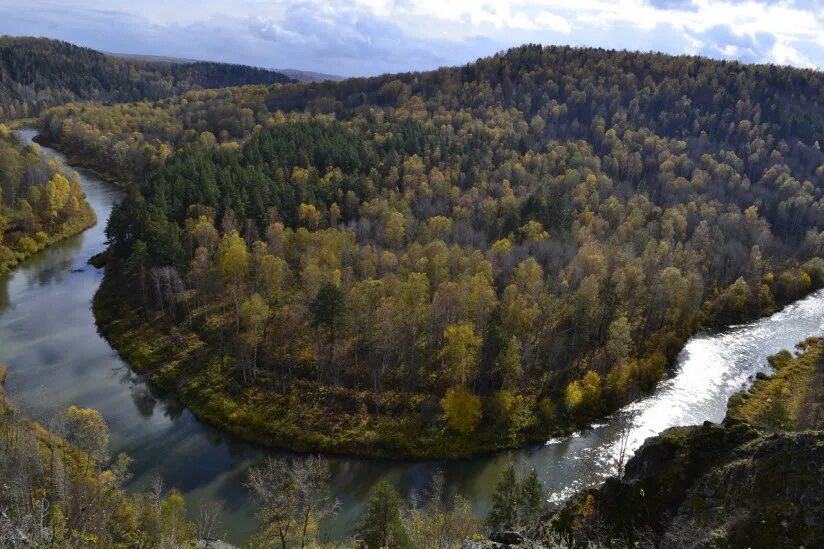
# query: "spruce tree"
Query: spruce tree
{"points": [[380, 526], [531, 501], [504, 512]]}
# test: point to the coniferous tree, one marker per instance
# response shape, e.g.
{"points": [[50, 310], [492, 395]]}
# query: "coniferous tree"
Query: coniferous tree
{"points": [[380, 526], [504, 512]]}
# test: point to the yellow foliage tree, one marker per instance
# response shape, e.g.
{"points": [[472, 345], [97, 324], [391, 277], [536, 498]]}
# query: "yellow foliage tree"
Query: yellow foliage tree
{"points": [[57, 194], [533, 230], [309, 216], [462, 409], [460, 352], [583, 394], [86, 429], [395, 230], [234, 263]]}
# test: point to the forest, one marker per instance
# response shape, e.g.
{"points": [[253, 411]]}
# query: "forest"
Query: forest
{"points": [[37, 73], [441, 263], [40, 201]]}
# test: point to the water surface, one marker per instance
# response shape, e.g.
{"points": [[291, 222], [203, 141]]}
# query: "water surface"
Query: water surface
{"points": [[55, 356]]}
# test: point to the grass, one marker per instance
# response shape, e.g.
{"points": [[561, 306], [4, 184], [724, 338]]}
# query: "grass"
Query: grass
{"points": [[791, 399]]}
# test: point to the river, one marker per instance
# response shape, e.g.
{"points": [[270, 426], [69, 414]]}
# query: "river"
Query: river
{"points": [[55, 357]]}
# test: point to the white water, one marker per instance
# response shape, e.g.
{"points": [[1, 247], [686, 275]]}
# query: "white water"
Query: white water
{"points": [[710, 368]]}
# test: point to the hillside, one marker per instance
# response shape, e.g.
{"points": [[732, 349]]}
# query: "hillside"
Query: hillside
{"points": [[36, 73], [310, 76], [442, 263]]}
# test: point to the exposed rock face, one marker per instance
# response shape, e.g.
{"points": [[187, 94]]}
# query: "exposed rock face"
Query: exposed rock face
{"points": [[711, 486], [489, 544], [214, 544], [507, 537]]}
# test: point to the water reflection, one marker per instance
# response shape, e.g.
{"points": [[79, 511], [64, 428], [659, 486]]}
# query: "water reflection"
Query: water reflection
{"points": [[56, 357]]}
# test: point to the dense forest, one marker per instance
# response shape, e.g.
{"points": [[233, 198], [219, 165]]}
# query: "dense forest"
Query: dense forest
{"points": [[446, 262], [36, 73], [40, 201]]}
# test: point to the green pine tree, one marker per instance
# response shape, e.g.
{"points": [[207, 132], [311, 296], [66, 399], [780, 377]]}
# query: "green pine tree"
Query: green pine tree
{"points": [[531, 500], [504, 512], [380, 526]]}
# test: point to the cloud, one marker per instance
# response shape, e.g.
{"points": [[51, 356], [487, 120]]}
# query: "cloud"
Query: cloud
{"points": [[361, 37], [272, 31], [553, 22], [784, 54]]}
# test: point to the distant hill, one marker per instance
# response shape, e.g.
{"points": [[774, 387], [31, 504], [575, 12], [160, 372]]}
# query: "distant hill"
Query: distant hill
{"points": [[310, 76], [36, 73], [299, 75]]}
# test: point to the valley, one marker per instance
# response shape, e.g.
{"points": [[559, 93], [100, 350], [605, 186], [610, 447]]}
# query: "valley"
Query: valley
{"points": [[547, 298]]}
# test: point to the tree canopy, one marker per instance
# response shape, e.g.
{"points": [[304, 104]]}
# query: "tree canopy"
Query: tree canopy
{"points": [[543, 228]]}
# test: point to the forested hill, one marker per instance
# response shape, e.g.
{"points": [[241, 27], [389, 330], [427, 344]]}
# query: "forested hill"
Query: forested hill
{"points": [[296, 74], [470, 258], [38, 72]]}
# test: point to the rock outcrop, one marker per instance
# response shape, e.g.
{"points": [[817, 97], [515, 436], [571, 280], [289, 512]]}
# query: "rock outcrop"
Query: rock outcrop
{"points": [[710, 486]]}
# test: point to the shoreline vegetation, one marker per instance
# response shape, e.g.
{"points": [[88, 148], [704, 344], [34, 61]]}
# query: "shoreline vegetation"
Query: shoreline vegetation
{"points": [[791, 398], [733, 483], [430, 265], [178, 361], [172, 359], [41, 202], [62, 489], [80, 161]]}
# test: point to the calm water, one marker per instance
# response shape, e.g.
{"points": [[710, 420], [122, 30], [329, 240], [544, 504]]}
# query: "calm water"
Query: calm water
{"points": [[55, 357]]}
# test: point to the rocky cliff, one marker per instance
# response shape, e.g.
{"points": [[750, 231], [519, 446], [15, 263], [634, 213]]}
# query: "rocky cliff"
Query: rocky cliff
{"points": [[727, 485]]}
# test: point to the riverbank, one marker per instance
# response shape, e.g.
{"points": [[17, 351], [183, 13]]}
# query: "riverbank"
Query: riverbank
{"points": [[44, 214], [101, 170], [63, 490], [78, 223], [307, 418], [792, 398]]}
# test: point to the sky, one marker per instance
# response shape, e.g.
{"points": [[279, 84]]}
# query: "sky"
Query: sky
{"points": [[368, 37]]}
